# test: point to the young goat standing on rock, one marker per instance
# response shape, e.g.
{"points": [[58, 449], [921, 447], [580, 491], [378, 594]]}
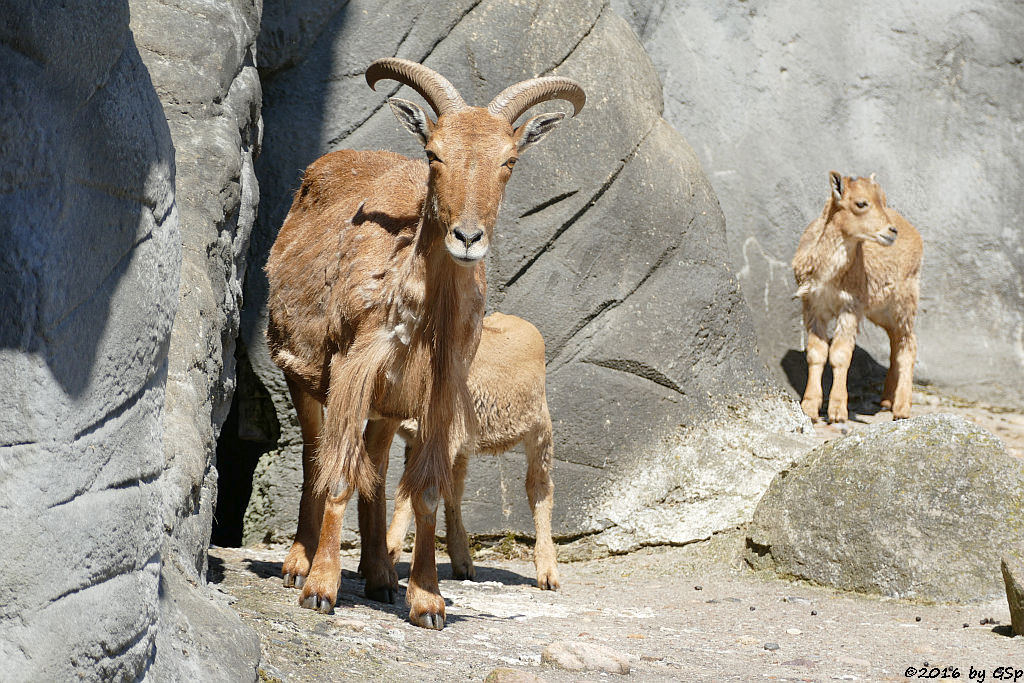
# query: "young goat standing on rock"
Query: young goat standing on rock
{"points": [[377, 291], [858, 259]]}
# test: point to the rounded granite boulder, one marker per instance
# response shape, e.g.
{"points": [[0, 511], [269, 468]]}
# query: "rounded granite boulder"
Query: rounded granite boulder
{"points": [[919, 509]]}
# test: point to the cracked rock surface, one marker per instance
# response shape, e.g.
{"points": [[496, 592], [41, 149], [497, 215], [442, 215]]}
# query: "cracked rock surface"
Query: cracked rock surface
{"points": [[610, 240]]}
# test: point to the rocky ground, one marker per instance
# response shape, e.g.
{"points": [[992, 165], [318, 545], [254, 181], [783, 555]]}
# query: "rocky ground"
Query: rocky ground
{"points": [[1006, 423], [670, 613]]}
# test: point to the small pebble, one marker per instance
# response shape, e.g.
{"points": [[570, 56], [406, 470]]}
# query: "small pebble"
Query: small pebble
{"points": [[771, 647], [698, 588], [917, 618], [814, 612], [752, 608], [794, 631], [967, 625]]}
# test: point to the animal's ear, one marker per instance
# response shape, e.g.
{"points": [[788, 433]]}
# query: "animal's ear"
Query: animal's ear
{"points": [[412, 116], [837, 184], [534, 130]]}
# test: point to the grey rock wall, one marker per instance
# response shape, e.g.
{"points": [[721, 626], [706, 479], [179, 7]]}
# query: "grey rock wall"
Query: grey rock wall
{"points": [[202, 58], [116, 214], [926, 94], [88, 289], [610, 240]]}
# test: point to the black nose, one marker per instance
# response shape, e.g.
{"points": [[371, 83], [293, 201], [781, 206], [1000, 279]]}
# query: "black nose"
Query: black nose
{"points": [[468, 237], [893, 230]]}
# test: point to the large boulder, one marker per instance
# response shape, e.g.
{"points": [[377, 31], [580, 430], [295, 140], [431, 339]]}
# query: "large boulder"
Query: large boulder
{"points": [[88, 288], [919, 508], [776, 94], [610, 240], [201, 57]]}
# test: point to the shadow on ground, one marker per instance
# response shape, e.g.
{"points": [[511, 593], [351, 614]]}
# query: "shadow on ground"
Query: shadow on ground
{"points": [[864, 384]]}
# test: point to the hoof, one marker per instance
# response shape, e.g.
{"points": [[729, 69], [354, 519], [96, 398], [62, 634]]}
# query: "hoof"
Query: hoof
{"points": [[294, 580], [548, 582], [463, 570], [317, 603], [838, 417], [385, 594], [428, 620]]}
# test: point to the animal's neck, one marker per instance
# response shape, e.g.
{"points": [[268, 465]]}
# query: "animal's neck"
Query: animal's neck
{"points": [[831, 255], [451, 293]]}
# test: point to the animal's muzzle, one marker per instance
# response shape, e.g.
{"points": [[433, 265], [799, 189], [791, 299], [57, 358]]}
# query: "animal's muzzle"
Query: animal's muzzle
{"points": [[471, 236], [887, 236]]}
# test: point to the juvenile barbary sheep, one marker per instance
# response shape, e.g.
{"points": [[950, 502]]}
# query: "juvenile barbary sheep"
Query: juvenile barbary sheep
{"points": [[506, 381], [858, 259], [376, 303]]}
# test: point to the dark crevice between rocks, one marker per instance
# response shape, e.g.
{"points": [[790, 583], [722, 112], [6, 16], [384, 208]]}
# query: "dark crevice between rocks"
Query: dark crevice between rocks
{"points": [[556, 349], [638, 368], [576, 216], [268, 73], [579, 42], [250, 430], [412, 25], [334, 142], [114, 571], [548, 203]]}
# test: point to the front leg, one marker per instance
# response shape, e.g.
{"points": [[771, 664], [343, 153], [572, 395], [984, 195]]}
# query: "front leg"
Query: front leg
{"points": [[320, 591], [296, 565], [840, 355], [817, 354]]}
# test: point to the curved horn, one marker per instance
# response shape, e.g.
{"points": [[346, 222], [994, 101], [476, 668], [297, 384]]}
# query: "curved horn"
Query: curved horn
{"points": [[511, 102], [435, 88]]}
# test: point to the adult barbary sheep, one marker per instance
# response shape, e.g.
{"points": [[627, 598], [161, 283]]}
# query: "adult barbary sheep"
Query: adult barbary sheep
{"points": [[858, 259], [376, 302], [506, 381]]}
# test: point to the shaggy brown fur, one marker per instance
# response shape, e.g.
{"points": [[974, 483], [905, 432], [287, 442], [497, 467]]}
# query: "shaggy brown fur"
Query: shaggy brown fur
{"points": [[859, 259], [506, 381], [377, 291]]}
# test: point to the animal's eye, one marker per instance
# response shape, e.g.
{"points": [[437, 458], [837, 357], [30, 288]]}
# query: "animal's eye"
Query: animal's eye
{"points": [[431, 157], [510, 164], [861, 205]]}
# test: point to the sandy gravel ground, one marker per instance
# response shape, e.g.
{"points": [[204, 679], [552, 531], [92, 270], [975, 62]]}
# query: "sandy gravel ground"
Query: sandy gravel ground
{"points": [[692, 613]]}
